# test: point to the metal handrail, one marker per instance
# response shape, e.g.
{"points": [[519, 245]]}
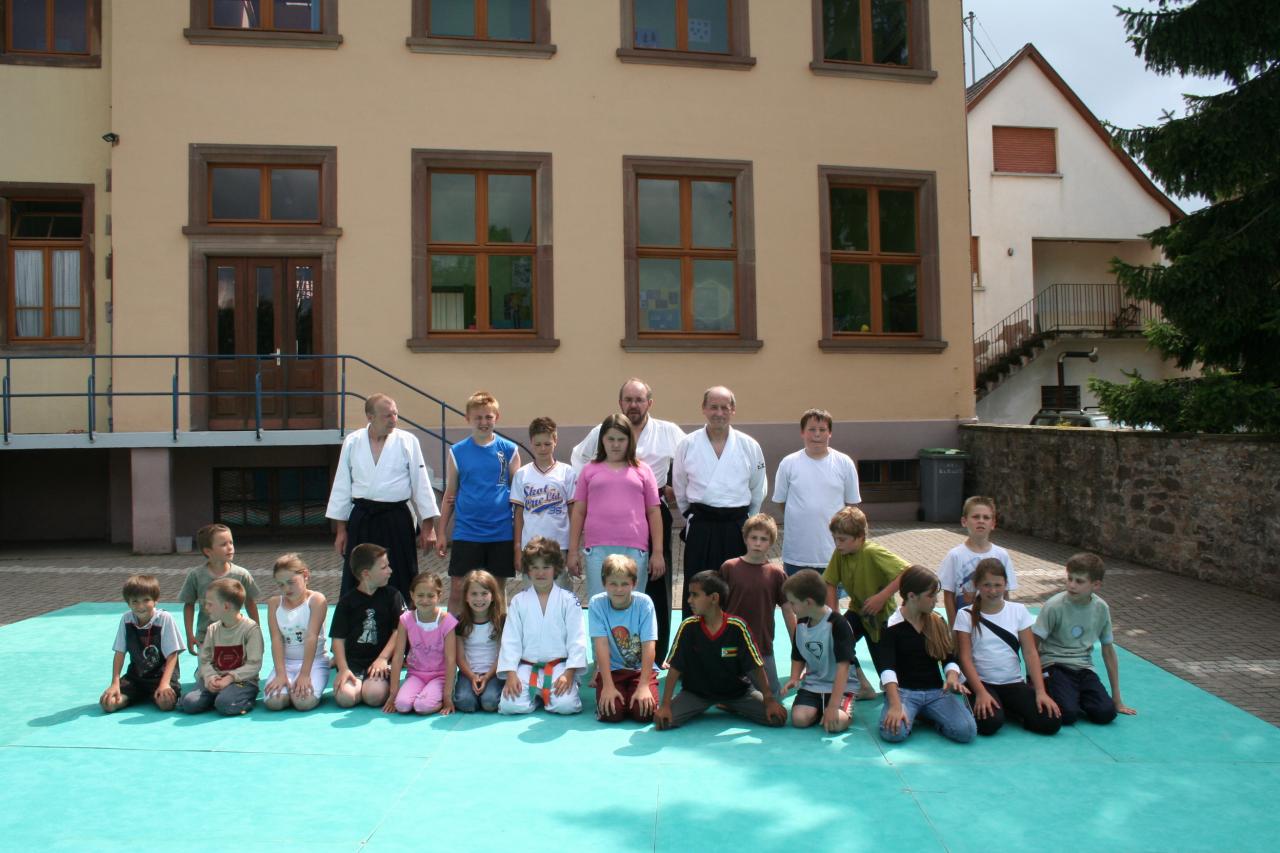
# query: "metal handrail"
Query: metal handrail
{"points": [[1067, 307], [175, 392]]}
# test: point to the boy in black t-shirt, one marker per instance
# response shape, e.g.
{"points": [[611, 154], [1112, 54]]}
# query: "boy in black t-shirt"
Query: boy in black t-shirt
{"points": [[364, 630], [149, 638], [711, 655]]}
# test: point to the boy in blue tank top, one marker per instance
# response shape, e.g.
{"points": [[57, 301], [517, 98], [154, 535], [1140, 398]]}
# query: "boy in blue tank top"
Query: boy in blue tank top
{"points": [[477, 499]]}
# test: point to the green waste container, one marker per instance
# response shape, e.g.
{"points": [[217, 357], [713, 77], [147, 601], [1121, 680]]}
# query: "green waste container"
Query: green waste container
{"points": [[942, 483]]}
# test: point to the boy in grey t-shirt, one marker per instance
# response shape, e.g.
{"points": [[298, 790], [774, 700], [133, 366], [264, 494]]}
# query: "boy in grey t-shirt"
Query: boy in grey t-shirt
{"points": [[1066, 629], [218, 547], [822, 651]]}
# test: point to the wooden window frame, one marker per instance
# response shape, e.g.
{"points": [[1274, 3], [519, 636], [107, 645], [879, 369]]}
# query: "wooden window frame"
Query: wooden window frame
{"points": [[738, 58], [202, 159], [421, 40], [264, 195], [918, 71], [91, 58], [889, 491], [15, 191], [740, 172], [542, 338], [1053, 137], [929, 338], [202, 31]]}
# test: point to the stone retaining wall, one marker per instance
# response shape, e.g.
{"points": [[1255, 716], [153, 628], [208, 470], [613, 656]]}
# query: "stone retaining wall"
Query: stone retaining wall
{"points": [[1204, 506]]}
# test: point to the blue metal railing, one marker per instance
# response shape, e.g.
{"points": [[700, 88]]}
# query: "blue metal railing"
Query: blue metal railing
{"points": [[175, 392]]}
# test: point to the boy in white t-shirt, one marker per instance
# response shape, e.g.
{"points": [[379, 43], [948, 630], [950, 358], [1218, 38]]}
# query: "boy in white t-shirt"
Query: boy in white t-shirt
{"points": [[813, 484], [978, 518], [542, 492]]}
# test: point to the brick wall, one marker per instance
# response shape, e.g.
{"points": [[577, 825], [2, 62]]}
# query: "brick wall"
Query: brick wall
{"points": [[1204, 506]]}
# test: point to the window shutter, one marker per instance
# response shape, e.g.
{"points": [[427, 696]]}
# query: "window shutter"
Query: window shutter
{"points": [[973, 262], [1025, 149]]}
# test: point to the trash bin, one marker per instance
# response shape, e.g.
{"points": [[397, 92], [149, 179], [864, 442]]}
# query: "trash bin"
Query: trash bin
{"points": [[942, 483]]}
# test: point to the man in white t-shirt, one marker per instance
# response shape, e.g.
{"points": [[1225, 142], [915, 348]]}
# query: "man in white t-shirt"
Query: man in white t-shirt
{"points": [[812, 485], [656, 442]]}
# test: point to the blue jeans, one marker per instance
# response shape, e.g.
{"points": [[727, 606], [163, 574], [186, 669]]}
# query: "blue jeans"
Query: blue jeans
{"points": [[595, 559], [466, 700], [948, 711]]}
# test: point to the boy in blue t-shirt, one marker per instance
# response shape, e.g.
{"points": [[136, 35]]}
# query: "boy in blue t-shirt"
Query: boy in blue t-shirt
{"points": [[624, 637], [477, 499]]}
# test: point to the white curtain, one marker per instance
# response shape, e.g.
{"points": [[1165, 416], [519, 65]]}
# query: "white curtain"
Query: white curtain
{"points": [[28, 285], [66, 294]]}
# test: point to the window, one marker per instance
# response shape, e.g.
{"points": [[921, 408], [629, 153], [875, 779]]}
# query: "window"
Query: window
{"points": [[889, 480], [272, 498], [975, 268], [689, 254], [686, 32], [879, 260], [47, 277], [495, 27], [481, 251], [1025, 150], [268, 23], [872, 38], [263, 189], [52, 32]]}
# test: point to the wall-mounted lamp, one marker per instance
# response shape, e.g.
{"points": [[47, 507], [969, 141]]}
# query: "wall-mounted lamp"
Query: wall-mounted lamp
{"points": [[113, 138], [1008, 251]]}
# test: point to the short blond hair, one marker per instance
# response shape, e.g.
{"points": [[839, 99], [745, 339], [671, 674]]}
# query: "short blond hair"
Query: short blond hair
{"points": [[479, 399], [849, 521], [619, 564], [761, 521]]}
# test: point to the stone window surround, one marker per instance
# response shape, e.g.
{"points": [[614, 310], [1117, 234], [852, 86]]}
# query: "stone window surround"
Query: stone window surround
{"points": [[202, 31], [93, 41], [918, 50]]}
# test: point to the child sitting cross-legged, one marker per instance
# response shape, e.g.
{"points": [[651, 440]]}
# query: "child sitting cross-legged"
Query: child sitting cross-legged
{"points": [[822, 653], [711, 655], [149, 638], [425, 641], [230, 655], [624, 636], [544, 648]]}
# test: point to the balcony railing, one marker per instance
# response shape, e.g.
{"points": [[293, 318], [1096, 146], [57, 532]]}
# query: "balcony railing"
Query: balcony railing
{"points": [[1060, 309]]}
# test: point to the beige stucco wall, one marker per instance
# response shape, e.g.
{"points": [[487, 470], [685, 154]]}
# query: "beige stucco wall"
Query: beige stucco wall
{"points": [[375, 101], [51, 125]]}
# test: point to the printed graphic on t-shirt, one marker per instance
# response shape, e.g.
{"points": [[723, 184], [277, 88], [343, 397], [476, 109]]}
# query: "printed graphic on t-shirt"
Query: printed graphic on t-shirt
{"points": [[628, 646], [227, 658], [296, 635], [547, 500], [369, 630], [503, 471], [729, 652], [1077, 631], [816, 649]]}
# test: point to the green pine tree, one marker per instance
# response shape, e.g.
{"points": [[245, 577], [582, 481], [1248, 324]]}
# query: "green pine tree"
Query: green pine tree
{"points": [[1220, 289]]}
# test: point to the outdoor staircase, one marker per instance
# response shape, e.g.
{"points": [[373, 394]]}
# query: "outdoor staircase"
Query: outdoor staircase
{"points": [[1060, 310]]}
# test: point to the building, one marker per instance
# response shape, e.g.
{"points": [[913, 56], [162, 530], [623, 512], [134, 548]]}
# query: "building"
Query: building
{"points": [[538, 201], [1052, 202]]}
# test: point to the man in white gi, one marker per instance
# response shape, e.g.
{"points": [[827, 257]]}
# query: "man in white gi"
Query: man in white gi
{"points": [[380, 470], [656, 442], [719, 478]]}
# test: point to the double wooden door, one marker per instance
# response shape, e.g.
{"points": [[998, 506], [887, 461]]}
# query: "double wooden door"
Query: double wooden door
{"points": [[262, 313]]}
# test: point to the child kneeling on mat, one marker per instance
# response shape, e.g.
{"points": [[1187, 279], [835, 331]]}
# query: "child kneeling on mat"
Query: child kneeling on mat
{"points": [[624, 639], [822, 653], [426, 642], [544, 649]]}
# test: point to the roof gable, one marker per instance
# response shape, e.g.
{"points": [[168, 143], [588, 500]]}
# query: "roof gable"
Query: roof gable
{"points": [[974, 94]]}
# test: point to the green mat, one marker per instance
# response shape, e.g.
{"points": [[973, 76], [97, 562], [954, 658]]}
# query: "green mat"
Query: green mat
{"points": [[1191, 773]]}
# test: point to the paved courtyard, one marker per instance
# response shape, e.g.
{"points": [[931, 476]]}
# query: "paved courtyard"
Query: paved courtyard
{"points": [[1224, 641]]}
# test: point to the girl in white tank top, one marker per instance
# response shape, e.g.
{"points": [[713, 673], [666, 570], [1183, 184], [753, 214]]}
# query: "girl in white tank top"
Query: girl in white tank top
{"points": [[296, 618]]}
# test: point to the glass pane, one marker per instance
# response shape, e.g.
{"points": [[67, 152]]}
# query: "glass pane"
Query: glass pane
{"points": [[66, 294], [510, 208], [511, 20], [238, 14], [511, 292], [304, 290], [889, 32], [40, 219], [713, 302], [453, 207], [296, 15], [236, 193], [28, 282], [850, 224], [453, 18], [295, 194], [659, 295], [656, 24], [850, 298], [65, 228], [453, 292], [709, 26], [897, 221], [70, 33], [226, 330], [712, 214], [842, 30], [288, 484], [32, 226], [66, 322], [659, 213], [315, 484], [28, 25], [898, 298], [265, 278]]}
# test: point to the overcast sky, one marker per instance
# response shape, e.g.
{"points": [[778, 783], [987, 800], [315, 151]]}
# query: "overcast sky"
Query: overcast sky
{"points": [[1085, 41]]}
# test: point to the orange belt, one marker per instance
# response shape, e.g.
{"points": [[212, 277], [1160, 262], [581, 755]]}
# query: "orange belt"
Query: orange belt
{"points": [[544, 673]]}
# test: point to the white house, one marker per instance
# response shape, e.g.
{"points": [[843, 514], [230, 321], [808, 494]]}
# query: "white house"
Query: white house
{"points": [[1052, 203]]}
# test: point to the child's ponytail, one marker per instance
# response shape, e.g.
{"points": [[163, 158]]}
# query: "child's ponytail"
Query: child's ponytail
{"points": [[937, 634]]}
